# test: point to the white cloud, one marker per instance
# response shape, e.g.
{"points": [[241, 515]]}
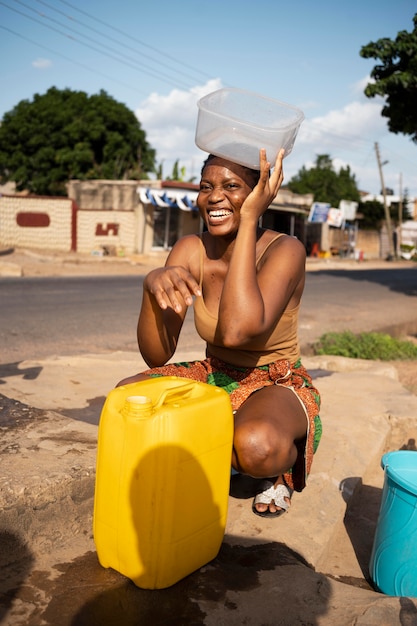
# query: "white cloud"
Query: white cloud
{"points": [[170, 122], [345, 128], [41, 64], [347, 134], [358, 88]]}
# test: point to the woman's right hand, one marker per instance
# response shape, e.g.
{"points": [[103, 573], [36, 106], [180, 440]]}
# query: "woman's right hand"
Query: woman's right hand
{"points": [[261, 196], [172, 287]]}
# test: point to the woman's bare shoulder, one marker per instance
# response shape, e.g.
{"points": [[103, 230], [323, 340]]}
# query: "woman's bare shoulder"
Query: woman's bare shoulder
{"points": [[187, 243], [282, 243], [185, 252], [284, 254]]}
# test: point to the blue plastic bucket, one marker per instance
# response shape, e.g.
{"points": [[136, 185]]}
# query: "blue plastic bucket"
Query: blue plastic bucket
{"points": [[393, 563]]}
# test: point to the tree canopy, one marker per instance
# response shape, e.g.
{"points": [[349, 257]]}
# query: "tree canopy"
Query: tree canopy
{"points": [[373, 213], [65, 134], [178, 173], [395, 79], [325, 183]]}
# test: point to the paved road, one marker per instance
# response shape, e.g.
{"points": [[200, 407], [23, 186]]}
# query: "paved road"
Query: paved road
{"points": [[359, 300], [79, 315]]}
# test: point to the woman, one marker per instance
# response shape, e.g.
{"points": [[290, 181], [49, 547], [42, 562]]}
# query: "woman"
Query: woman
{"points": [[246, 284]]}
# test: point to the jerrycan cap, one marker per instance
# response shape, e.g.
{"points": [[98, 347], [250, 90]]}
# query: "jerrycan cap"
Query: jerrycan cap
{"points": [[138, 407], [138, 399]]}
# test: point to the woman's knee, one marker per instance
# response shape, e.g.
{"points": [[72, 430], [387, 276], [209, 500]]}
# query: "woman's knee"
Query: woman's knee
{"points": [[262, 451]]}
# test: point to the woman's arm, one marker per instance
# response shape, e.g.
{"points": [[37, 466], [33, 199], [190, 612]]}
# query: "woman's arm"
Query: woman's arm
{"points": [[252, 301], [167, 292]]}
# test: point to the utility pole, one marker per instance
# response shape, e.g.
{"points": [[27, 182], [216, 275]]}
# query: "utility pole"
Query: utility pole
{"points": [[386, 209], [400, 211]]}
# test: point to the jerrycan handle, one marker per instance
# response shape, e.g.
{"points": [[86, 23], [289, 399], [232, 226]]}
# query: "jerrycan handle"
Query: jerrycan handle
{"points": [[175, 393]]}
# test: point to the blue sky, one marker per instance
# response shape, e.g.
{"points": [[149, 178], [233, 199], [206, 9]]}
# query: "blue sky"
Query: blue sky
{"points": [[160, 57]]}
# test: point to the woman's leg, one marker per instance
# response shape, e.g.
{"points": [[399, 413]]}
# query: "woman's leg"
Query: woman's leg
{"points": [[269, 427], [136, 378]]}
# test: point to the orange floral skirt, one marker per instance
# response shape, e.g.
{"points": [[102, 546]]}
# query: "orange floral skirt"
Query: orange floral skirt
{"points": [[241, 382]]}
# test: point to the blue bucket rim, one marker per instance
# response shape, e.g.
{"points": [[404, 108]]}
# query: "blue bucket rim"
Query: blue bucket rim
{"points": [[396, 472]]}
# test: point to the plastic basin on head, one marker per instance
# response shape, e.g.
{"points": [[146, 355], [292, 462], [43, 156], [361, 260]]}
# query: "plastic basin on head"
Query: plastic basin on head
{"points": [[236, 124]]}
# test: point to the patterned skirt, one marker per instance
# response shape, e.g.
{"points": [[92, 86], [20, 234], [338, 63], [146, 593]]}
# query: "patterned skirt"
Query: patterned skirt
{"points": [[240, 383]]}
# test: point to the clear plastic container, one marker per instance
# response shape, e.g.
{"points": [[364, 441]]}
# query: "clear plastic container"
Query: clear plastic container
{"points": [[236, 124]]}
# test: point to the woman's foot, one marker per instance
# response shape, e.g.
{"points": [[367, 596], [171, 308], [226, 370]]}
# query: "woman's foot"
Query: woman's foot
{"points": [[274, 500]]}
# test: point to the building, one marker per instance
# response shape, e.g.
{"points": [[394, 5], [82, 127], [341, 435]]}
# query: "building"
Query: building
{"points": [[125, 217], [118, 217]]}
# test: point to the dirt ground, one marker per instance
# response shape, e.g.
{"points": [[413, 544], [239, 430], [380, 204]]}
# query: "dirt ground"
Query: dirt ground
{"points": [[407, 374], [407, 371]]}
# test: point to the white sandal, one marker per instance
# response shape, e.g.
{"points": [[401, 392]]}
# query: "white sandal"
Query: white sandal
{"points": [[276, 495]]}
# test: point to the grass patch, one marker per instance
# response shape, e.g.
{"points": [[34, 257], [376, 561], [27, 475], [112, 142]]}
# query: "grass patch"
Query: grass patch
{"points": [[371, 346]]}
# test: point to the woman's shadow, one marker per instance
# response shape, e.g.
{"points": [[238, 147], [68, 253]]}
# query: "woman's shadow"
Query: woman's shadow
{"points": [[16, 562]]}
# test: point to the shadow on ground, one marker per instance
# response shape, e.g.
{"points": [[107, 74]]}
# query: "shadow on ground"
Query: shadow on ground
{"points": [[86, 594], [90, 414], [404, 281], [361, 520], [12, 369], [15, 564]]}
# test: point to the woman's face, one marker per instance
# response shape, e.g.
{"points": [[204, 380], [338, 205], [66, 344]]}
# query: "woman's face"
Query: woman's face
{"points": [[223, 188]]}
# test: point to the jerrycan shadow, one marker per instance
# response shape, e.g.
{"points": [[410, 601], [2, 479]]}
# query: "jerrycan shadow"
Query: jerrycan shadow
{"points": [[162, 482], [179, 526]]}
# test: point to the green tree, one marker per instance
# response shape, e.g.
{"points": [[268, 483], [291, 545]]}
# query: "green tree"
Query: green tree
{"points": [[373, 214], [65, 134], [178, 174], [324, 183], [395, 79]]}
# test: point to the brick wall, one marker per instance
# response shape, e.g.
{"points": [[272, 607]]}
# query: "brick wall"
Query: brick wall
{"points": [[109, 229], [118, 195], [58, 224], [38, 222]]}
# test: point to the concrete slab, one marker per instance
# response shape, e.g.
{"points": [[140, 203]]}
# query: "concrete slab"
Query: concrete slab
{"points": [[47, 485]]}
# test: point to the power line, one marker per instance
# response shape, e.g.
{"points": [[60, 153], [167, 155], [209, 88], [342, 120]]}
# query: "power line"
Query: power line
{"points": [[35, 43], [133, 65], [345, 140], [136, 40], [117, 41], [353, 143]]}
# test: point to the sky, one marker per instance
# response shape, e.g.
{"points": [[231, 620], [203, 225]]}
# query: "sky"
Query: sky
{"points": [[159, 58]]}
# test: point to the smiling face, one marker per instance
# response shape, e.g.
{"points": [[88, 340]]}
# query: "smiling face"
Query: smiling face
{"points": [[223, 188]]}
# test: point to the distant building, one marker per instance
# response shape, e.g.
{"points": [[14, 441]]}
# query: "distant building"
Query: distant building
{"points": [[125, 217], [8, 188]]}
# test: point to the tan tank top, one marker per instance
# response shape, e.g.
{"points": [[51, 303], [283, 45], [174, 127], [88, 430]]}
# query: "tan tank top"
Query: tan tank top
{"points": [[281, 343]]}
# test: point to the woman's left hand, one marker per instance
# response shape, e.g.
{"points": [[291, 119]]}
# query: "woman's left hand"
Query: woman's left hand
{"points": [[267, 188]]}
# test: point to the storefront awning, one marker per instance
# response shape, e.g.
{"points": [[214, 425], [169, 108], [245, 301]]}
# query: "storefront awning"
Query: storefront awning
{"points": [[169, 198]]}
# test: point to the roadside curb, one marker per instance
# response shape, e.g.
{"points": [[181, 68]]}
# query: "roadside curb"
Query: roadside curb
{"points": [[30, 262]]}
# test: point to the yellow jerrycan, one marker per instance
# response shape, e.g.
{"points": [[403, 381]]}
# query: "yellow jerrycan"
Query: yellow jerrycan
{"points": [[162, 479]]}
